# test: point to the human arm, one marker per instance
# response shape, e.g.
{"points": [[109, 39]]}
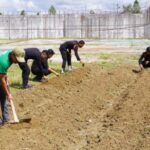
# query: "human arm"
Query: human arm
{"points": [[77, 55], [53, 71], [3, 79]]}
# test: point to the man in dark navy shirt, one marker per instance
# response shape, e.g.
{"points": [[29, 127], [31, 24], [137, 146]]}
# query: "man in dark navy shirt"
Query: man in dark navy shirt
{"points": [[46, 70], [65, 50], [144, 60], [34, 54]]}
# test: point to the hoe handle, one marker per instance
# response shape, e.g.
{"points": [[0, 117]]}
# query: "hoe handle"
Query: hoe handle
{"points": [[13, 108], [14, 111]]}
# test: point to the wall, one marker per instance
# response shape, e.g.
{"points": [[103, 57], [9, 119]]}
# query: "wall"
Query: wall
{"points": [[102, 26]]}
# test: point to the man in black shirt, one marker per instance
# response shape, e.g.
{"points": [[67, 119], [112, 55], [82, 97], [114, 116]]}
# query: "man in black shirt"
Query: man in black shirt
{"points": [[46, 70], [65, 50], [144, 60], [34, 54]]}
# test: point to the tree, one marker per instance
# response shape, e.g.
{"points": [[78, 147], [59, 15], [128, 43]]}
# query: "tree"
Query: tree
{"points": [[127, 9], [132, 9], [52, 10], [136, 7], [22, 13], [1, 14], [38, 14], [92, 12]]}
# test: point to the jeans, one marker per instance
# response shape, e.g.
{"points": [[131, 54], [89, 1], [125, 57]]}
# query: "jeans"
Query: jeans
{"points": [[4, 107]]}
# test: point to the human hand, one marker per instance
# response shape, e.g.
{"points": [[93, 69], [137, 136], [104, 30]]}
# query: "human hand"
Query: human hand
{"points": [[9, 97]]}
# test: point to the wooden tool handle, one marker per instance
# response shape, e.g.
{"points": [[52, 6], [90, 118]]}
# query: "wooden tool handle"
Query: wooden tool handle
{"points": [[14, 111]]}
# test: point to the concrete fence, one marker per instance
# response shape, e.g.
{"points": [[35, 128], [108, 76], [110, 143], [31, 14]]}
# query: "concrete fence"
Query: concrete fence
{"points": [[101, 26], [147, 26]]}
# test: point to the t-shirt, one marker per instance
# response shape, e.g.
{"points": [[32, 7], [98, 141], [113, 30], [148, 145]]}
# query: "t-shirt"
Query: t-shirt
{"points": [[68, 46], [34, 54], [144, 57], [4, 61]]}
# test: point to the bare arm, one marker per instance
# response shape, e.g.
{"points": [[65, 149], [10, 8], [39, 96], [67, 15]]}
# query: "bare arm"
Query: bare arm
{"points": [[53, 71], [3, 79]]}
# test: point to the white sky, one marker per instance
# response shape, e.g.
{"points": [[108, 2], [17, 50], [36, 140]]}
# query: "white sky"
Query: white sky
{"points": [[43, 5]]}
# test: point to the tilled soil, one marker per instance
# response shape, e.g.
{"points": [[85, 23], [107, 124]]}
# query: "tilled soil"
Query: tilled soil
{"points": [[91, 108]]}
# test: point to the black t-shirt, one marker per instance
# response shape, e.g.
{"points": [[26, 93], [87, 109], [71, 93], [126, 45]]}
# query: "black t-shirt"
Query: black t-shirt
{"points": [[144, 57], [70, 45], [34, 54]]}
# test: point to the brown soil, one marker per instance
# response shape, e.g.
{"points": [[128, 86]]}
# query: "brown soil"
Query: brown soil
{"points": [[89, 109]]}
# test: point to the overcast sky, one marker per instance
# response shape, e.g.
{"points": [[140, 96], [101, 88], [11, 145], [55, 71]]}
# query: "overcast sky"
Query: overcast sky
{"points": [[43, 5]]}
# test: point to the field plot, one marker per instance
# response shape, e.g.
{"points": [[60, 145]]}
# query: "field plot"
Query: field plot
{"points": [[90, 108], [102, 106]]}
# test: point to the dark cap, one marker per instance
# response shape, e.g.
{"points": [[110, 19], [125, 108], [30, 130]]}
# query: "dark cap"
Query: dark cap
{"points": [[148, 49]]}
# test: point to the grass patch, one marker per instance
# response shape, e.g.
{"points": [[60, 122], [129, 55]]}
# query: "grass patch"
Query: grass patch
{"points": [[107, 61], [105, 56], [117, 59], [108, 65], [15, 75]]}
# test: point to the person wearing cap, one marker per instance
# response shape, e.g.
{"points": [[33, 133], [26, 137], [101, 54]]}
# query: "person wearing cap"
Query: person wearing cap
{"points": [[7, 58], [46, 70], [144, 60], [65, 50], [35, 55]]}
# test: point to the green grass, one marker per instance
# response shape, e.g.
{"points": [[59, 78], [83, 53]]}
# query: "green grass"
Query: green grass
{"points": [[107, 61], [117, 59], [105, 56], [111, 60], [15, 75]]}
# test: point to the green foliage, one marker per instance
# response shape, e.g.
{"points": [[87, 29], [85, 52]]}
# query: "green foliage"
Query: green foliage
{"points": [[105, 56], [52, 10], [132, 9], [136, 7], [92, 12], [127, 9], [22, 13], [38, 14]]}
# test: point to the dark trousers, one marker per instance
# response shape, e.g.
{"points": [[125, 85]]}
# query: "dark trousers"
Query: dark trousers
{"points": [[25, 73], [38, 73], [66, 56], [145, 65], [4, 107], [69, 59]]}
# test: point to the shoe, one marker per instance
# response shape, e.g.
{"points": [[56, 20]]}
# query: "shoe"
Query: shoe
{"points": [[1, 123], [69, 68], [62, 71], [6, 122], [37, 79], [27, 86]]}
